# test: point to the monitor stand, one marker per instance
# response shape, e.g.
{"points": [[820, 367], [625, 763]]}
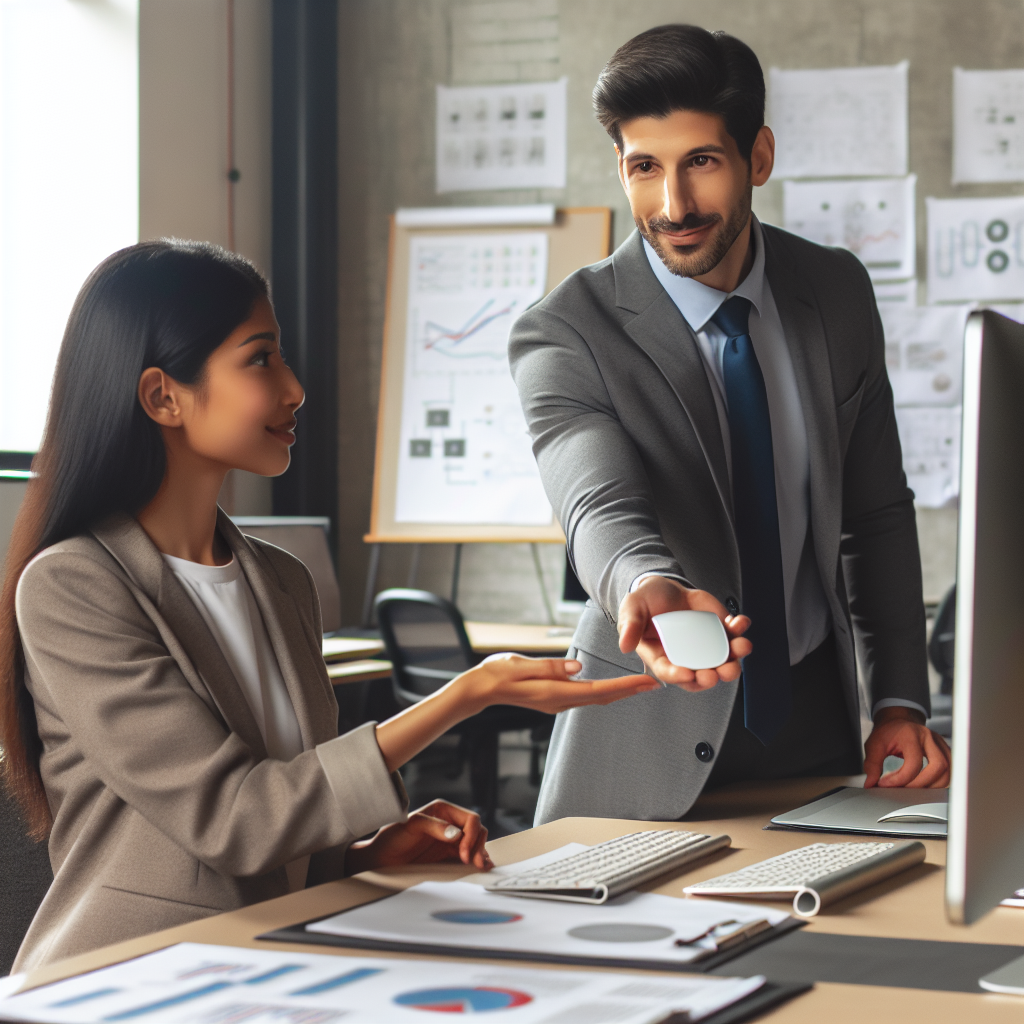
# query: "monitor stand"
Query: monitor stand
{"points": [[1009, 979]]}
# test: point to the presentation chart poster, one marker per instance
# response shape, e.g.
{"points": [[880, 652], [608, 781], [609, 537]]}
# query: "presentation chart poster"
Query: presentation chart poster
{"points": [[872, 218], [465, 454], [839, 122], [988, 125], [501, 136], [975, 249], [193, 983], [930, 437], [924, 353]]}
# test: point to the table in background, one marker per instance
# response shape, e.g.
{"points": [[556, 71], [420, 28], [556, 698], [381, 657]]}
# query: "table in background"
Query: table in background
{"points": [[908, 906], [354, 659]]}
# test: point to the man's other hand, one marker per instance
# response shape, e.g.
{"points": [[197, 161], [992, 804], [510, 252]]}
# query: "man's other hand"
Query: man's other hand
{"points": [[901, 732], [656, 595]]}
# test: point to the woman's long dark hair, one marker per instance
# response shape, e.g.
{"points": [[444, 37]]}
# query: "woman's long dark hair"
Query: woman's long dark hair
{"points": [[167, 304]]}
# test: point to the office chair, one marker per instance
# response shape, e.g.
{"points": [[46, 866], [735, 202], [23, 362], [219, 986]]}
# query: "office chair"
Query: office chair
{"points": [[940, 654], [25, 876], [426, 643], [305, 537]]}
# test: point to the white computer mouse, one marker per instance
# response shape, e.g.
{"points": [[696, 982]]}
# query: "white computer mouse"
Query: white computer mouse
{"points": [[918, 813], [693, 639]]}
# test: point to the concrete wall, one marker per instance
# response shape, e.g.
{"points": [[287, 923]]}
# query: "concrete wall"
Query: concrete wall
{"points": [[394, 52]]}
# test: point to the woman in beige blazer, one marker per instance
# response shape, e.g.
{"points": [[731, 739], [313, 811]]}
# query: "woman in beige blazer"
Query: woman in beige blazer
{"points": [[128, 736]]}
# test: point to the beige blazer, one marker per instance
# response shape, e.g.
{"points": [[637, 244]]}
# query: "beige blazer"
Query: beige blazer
{"points": [[166, 807]]}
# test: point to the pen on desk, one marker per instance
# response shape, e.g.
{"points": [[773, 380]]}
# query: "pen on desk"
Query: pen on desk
{"points": [[734, 938]]}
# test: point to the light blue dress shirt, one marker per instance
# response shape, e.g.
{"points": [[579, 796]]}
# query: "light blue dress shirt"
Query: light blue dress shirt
{"points": [[808, 617]]}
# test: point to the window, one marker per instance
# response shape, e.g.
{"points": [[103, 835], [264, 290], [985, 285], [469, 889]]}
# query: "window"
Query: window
{"points": [[69, 170]]}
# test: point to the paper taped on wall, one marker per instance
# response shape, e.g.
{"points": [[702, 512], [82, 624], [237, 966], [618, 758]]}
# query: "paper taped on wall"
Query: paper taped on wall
{"points": [[501, 136], [872, 218], [975, 249], [465, 453], [924, 351], [839, 122], [930, 437], [988, 125]]}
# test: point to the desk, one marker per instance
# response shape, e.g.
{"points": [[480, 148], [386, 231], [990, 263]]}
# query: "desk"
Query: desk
{"points": [[908, 906], [354, 659]]}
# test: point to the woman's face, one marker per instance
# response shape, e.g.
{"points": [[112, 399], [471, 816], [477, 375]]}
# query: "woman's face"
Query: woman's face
{"points": [[242, 414]]}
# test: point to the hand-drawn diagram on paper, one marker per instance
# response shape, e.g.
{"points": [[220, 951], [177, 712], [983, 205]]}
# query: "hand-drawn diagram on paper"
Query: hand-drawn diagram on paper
{"points": [[975, 249], [839, 122], [988, 125], [501, 136], [930, 437], [465, 453], [874, 219], [924, 353]]}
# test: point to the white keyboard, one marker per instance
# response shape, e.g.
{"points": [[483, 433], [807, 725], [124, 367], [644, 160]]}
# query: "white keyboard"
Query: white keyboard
{"points": [[816, 874], [603, 871]]}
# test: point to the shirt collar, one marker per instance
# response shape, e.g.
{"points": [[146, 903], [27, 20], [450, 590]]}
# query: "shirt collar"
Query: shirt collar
{"points": [[697, 302]]}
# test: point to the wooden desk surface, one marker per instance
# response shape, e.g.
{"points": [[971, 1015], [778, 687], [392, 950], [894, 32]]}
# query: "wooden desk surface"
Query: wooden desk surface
{"points": [[356, 659], [492, 637], [908, 906]]}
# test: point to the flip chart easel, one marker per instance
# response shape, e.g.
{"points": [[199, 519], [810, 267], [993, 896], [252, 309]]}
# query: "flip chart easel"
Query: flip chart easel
{"points": [[579, 236]]}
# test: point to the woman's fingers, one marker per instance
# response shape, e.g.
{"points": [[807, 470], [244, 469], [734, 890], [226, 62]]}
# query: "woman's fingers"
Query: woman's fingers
{"points": [[471, 834]]}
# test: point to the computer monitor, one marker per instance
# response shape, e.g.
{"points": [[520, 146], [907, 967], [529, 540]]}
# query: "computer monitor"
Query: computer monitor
{"points": [[985, 856]]}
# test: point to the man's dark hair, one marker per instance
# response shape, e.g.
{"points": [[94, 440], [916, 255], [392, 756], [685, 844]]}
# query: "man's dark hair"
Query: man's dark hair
{"points": [[683, 67]]}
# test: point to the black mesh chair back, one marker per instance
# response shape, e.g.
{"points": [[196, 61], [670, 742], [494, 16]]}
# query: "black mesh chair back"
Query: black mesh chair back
{"points": [[943, 640], [25, 876], [425, 640]]}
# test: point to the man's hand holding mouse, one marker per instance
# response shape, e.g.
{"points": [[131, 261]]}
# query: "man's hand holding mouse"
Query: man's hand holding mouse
{"points": [[657, 594]]}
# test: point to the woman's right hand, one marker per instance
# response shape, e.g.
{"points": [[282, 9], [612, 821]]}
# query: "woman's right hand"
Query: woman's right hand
{"points": [[542, 684]]}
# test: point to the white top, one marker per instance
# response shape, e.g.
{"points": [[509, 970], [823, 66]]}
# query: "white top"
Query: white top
{"points": [[223, 597], [808, 619]]}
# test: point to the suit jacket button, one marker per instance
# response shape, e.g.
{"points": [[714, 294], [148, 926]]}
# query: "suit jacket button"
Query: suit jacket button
{"points": [[705, 752], [732, 606]]}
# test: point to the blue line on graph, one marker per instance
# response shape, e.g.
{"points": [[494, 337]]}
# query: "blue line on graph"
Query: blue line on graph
{"points": [[475, 323], [341, 979], [162, 1004], [276, 972], [75, 1000]]}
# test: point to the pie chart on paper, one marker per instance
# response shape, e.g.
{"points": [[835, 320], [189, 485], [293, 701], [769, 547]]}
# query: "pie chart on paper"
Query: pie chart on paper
{"points": [[463, 1000]]}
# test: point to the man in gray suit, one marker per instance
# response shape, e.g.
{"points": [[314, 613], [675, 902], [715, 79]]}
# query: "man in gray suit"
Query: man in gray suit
{"points": [[714, 426]]}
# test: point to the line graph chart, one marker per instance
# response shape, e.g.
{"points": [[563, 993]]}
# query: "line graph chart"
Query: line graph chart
{"points": [[874, 219], [465, 453]]}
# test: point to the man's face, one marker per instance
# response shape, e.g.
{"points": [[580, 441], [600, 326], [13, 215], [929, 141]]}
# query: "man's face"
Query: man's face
{"points": [[689, 188]]}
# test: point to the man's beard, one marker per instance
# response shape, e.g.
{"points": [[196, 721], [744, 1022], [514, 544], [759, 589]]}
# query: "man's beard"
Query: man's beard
{"points": [[696, 260]]}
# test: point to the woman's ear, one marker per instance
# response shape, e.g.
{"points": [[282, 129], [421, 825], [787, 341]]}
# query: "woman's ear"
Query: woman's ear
{"points": [[158, 396]]}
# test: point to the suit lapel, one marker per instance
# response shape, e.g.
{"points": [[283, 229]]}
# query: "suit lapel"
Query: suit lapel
{"points": [[667, 339], [303, 673], [808, 348], [129, 544]]}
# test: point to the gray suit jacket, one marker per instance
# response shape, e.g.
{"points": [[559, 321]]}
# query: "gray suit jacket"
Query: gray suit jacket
{"points": [[166, 807], [629, 446]]}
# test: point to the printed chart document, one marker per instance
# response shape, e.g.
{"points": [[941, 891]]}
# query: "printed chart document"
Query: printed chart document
{"points": [[839, 122], [874, 219], [634, 926], [930, 437], [465, 453], [924, 352], [501, 136], [975, 249], [192, 983], [895, 293], [988, 125]]}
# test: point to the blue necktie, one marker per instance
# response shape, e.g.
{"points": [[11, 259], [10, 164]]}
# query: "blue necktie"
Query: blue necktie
{"points": [[767, 687]]}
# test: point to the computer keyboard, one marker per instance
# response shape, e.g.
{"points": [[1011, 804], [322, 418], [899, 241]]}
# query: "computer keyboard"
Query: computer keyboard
{"points": [[815, 875], [603, 871]]}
